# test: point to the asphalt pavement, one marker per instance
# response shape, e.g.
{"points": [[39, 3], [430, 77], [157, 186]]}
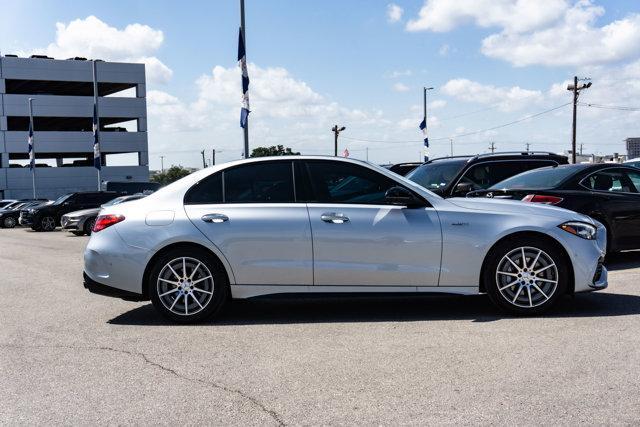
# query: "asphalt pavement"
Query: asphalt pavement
{"points": [[71, 357]]}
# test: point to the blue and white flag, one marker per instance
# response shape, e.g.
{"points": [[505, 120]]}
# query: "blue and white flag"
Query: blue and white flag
{"points": [[96, 140], [423, 128], [32, 154], [242, 63]]}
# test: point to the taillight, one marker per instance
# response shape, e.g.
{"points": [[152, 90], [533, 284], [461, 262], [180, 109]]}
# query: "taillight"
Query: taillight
{"points": [[104, 221], [538, 198]]}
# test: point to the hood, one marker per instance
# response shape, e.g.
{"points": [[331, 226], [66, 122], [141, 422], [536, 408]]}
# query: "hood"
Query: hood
{"points": [[84, 212], [518, 207]]}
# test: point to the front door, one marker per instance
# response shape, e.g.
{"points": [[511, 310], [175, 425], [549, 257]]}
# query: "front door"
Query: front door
{"points": [[358, 239], [249, 212]]}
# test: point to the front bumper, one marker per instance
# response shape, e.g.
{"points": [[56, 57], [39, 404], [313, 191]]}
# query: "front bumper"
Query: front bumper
{"points": [[70, 223], [105, 290], [25, 219], [600, 277]]}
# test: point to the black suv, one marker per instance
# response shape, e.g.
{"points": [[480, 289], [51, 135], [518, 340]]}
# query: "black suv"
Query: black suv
{"points": [[46, 217], [456, 176]]}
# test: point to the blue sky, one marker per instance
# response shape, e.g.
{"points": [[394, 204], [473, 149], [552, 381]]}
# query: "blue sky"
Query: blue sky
{"points": [[357, 64]]}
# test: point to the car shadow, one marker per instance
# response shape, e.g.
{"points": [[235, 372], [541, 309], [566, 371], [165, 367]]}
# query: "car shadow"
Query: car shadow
{"points": [[623, 260], [386, 308]]}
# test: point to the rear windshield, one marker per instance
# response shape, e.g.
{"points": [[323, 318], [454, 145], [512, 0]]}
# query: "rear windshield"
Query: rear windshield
{"points": [[537, 179], [434, 176]]}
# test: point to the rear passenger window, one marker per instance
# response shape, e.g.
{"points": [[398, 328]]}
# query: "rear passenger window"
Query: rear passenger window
{"points": [[207, 191], [485, 175], [263, 182], [612, 180]]}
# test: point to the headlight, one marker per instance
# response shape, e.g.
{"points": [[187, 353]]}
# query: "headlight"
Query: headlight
{"points": [[580, 229]]}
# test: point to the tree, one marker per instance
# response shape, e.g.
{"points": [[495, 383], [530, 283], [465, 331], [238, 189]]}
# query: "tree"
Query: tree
{"points": [[280, 150], [172, 174]]}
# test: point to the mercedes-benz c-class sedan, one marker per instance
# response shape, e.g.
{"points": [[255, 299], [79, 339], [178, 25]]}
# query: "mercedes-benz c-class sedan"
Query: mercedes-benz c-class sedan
{"points": [[303, 224]]}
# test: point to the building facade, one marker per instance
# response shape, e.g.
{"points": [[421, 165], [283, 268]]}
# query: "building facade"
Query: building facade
{"points": [[62, 92], [633, 148]]}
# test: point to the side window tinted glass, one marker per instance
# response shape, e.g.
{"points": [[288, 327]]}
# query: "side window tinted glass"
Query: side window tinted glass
{"points": [[259, 183], [613, 180], [484, 175], [635, 180], [335, 182], [207, 191]]}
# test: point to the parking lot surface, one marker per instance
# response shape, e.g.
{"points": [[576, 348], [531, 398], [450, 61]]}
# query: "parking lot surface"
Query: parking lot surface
{"points": [[70, 357]]}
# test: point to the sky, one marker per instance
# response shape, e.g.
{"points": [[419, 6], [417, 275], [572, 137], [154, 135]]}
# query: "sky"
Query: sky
{"points": [[359, 64]]}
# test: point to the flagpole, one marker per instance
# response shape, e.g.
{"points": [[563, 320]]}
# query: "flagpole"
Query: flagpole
{"points": [[424, 100], [244, 38], [33, 152], [97, 119]]}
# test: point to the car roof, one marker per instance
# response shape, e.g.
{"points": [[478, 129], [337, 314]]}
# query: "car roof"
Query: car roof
{"points": [[505, 155]]}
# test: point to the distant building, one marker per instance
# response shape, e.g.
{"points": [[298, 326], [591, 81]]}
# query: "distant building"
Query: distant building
{"points": [[63, 111], [597, 158], [633, 148]]}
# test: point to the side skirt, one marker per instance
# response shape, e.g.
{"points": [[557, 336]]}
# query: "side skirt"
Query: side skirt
{"points": [[249, 291]]}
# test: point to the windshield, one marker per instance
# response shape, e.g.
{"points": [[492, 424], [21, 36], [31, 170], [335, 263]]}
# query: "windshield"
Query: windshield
{"points": [[61, 199], [537, 179], [434, 176]]}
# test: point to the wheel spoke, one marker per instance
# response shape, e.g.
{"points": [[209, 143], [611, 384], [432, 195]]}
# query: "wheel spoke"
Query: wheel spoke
{"points": [[193, 273], [541, 291], [506, 286], [174, 303], [524, 258], [169, 292], [196, 300], [173, 271], [184, 268], [186, 304], [507, 274], [168, 281], [533, 264], [544, 268], [202, 290], [200, 280], [539, 279], [529, 292], [513, 263], [517, 294]]}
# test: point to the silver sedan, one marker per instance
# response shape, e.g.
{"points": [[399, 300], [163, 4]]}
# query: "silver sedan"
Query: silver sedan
{"points": [[323, 224]]}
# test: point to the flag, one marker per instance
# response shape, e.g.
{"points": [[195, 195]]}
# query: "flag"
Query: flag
{"points": [[32, 154], [345, 153], [96, 140], [423, 128], [242, 63]]}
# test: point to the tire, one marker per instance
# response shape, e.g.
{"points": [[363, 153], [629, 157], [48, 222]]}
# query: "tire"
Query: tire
{"points": [[511, 285], [47, 223], [204, 298], [9, 222], [88, 226], [77, 233]]}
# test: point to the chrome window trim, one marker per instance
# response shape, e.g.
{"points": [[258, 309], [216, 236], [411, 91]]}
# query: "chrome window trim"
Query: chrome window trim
{"points": [[603, 191]]}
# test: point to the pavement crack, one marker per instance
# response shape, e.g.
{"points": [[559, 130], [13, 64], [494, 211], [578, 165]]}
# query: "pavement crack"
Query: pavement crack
{"points": [[252, 400]]}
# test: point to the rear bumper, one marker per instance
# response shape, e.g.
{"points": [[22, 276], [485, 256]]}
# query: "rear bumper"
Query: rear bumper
{"points": [[108, 291]]}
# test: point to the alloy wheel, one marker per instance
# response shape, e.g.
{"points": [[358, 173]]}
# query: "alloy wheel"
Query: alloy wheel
{"points": [[527, 277], [185, 286], [9, 222], [48, 223]]}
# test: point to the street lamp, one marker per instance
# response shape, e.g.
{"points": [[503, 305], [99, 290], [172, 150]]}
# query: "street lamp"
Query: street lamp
{"points": [[336, 131]]}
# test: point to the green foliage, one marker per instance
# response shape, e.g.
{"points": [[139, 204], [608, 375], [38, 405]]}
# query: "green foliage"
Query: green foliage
{"points": [[280, 150], [170, 175]]}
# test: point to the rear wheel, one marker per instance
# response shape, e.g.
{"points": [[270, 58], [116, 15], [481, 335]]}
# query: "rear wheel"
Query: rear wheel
{"points": [[9, 222], [47, 223], [187, 285], [525, 275]]}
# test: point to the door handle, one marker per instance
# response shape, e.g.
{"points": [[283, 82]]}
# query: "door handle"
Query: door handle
{"points": [[215, 218], [334, 218]]}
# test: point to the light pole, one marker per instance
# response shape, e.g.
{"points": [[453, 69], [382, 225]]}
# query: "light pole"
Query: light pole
{"points": [[336, 131], [575, 88], [162, 164]]}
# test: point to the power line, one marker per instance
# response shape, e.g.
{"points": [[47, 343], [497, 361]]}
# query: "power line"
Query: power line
{"points": [[610, 107]]}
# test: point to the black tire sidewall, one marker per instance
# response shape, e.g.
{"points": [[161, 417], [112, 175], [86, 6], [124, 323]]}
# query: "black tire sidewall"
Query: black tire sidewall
{"points": [[503, 248], [221, 284], [88, 226]]}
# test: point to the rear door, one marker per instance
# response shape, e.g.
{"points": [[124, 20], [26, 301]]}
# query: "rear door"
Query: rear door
{"points": [[250, 213], [358, 238]]}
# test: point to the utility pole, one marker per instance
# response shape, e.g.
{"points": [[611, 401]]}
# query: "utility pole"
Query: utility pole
{"points": [[367, 153], [575, 88], [492, 147], [162, 164], [527, 144], [213, 157], [204, 162], [581, 149], [451, 143], [336, 131]]}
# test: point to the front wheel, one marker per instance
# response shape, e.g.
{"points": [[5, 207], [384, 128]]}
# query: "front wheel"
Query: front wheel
{"points": [[188, 285], [47, 223], [9, 222], [525, 275]]}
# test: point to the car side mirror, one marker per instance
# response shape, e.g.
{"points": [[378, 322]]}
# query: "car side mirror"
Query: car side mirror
{"points": [[462, 188], [401, 196]]}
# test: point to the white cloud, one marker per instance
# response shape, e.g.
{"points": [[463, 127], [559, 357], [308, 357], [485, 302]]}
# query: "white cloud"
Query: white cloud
{"points": [[573, 41], [93, 38], [400, 87], [437, 103], [394, 12], [400, 73], [507, 98], [512, 15]]}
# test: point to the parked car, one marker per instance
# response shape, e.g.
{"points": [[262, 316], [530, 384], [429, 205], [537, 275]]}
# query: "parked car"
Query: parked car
{"points": [[403, 168], [9, 215], [47, 217], [323, 224], [456, 176], [5, 202], [608, 192], [131, 187], [633, 162], [81, 222]]}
